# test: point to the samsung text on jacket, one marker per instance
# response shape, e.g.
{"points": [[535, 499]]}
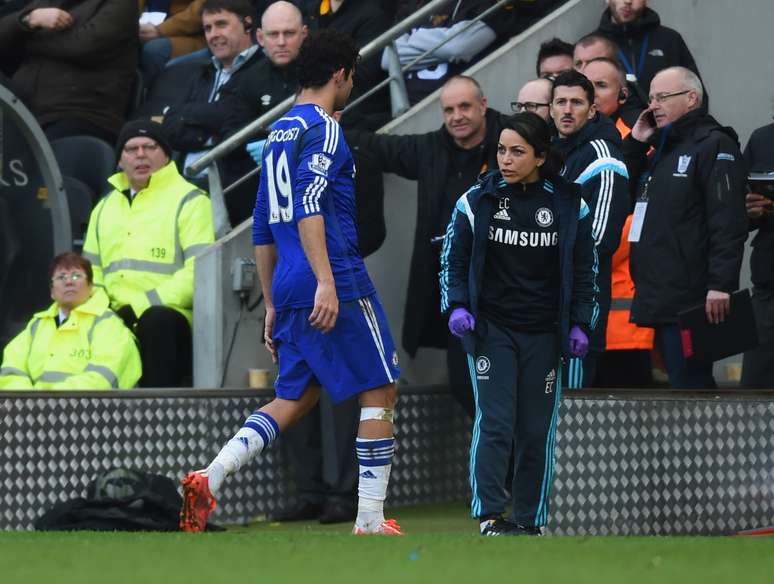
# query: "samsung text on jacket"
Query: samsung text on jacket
{"points": [[523, 238]]}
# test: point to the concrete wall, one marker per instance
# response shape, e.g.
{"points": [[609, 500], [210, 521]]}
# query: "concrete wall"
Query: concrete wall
{"points": [[732, 45], [217, 312]]}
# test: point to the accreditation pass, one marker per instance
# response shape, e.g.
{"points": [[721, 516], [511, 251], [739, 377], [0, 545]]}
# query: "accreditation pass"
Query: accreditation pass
{"points": [[637, 221]]}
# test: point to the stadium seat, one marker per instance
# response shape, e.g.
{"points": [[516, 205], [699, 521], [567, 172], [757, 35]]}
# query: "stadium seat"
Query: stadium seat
{"points": [[88, 159], [136, 94], [10, 247], [80, 203], [169, 87]]}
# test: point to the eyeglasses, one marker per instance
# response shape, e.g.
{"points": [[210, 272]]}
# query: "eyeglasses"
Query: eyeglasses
{"points": [[72, 277], [662, 97], [149, 148], [527, 106]]}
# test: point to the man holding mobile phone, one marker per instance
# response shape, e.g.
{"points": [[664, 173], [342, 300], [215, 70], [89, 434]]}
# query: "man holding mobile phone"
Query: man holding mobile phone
{"points": [[690, 222], [758, 364]]}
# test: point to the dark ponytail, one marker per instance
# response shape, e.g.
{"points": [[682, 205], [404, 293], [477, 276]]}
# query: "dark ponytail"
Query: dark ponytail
{"points": [[536, 132]]}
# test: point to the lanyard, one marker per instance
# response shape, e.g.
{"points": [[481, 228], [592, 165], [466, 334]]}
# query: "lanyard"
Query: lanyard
{"points": [[643, 52]]}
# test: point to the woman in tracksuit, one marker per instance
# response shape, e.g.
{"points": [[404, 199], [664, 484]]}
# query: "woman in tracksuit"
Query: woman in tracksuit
{"points": [[517, 276]]}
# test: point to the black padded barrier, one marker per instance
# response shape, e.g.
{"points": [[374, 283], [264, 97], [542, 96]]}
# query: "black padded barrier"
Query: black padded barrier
{"points": [[627, 462]]}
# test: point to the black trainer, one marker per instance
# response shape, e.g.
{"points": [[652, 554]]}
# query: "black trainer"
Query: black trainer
{"points": [[526, 529], [497, 526]]}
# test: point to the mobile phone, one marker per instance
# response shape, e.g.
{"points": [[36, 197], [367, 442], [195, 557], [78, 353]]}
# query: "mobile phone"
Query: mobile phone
{"points": [[650, 119], [761, 183]]}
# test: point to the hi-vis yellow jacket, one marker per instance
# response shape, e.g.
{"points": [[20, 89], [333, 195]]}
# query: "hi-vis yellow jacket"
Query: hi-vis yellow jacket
{"points": [[143, 252], [92, 349]]}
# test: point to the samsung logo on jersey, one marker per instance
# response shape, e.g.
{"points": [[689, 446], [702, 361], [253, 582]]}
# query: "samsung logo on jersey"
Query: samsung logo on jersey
{"points": [[523, 238], [283, 135]]}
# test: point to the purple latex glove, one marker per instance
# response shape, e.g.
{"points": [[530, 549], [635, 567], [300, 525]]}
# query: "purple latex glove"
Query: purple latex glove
{"points": [[461, 322], [579, 342]]}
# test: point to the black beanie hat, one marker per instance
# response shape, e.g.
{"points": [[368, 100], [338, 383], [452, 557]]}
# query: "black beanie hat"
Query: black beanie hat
{"points": [[142, 128]]}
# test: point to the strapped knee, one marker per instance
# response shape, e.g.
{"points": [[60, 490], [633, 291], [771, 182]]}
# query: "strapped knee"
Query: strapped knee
{"points": [[378, 414]]}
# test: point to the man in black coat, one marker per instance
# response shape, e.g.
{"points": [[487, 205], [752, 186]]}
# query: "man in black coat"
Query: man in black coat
{"points": [[690, 222], [77, 63], [239, 85], [646, 46], [758, 364], [445, 163]]}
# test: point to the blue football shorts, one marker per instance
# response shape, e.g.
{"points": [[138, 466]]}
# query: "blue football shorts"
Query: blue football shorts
{"points": [[357, 355]]}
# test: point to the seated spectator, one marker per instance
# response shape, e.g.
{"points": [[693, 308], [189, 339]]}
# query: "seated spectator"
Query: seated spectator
{"points": [[237, 87], [79, 63], [180, 34], [10, 60], [77, 343], [222, 96], [466, 45], [535, 97], [645, 45], [758, 364], [363, 21], [554, 57], [142, 239]]}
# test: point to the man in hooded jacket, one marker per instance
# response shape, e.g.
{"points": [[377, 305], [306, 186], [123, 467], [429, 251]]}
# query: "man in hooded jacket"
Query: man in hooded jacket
{"points": [[646, 46]]}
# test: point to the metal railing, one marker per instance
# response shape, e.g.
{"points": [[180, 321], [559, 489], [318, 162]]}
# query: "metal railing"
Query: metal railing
{"points": [[398, 96]]}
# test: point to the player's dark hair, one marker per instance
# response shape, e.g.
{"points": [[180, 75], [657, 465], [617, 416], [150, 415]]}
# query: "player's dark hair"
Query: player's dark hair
{"points": [[322, 54], [242, 8], [537, 133], [555, 47], [71, 261], [574, 79]]}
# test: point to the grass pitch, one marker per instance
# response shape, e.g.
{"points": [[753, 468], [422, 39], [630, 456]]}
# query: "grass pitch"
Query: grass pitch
{"points": [[441, 546]]}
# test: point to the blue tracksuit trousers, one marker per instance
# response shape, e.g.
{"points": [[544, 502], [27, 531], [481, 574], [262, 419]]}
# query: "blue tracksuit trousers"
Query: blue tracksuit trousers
{"points": [[516, 384]]}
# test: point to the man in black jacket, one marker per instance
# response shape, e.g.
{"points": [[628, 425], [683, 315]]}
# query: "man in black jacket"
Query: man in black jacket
{"points": [[77, 63], [758, 364], [591, 144], [690, 223], [363, 21], [239, 85], [646, 46], [445, 163]]}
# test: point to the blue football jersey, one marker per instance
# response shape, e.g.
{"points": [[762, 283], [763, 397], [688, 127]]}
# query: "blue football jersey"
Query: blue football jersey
{"points": [[308, 170]]}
